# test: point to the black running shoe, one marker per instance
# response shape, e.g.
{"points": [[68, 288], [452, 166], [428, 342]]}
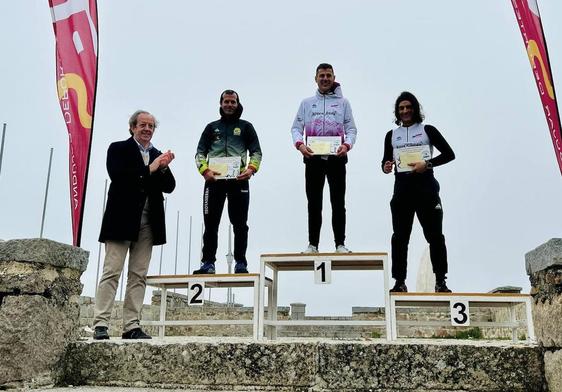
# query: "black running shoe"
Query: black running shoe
{"points": [[100, 333], [441, 287], [399, 287], [135, 333], [206, 268], [241, 267]]}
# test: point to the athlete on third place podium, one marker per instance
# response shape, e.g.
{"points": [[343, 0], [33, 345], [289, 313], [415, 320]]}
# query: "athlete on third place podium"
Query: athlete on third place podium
{"points": [[409, 148]]}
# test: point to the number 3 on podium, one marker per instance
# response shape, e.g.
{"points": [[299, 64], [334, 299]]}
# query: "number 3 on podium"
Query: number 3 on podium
{"points": [[195, 292], [460, 315], [322, 271]]}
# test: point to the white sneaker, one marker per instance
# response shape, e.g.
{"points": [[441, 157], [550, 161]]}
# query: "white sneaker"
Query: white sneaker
{"points": [[342, 249], [311, 249]]}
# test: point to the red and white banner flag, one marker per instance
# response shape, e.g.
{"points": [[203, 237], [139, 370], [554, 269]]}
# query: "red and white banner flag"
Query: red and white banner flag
{"points": [[76, 32], [529, 21]]}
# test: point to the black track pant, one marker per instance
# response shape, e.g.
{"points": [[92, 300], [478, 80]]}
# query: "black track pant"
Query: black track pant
{"points": [[214, 195], [316, 172], [417, 194]]}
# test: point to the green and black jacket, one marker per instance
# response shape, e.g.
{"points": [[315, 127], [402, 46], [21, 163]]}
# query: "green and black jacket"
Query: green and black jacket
{"points": [[229, 137]]}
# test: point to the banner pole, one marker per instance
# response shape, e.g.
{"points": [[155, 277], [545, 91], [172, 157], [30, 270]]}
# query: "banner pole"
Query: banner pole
{"points": [[229, 258], [177, 239], [46, 194], [189, 244], [2, 146]]}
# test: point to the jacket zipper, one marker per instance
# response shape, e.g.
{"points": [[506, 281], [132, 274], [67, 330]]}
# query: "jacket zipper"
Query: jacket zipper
{"points": [[324, 121], [226, 140], [408, 135]]}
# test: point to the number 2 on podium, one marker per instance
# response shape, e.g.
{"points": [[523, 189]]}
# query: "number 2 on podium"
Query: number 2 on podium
{"points": [[195, 293], [323, 271]]}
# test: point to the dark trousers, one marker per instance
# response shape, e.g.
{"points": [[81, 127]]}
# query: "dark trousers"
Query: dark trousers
{"points": [[417, 194], [214, 195], [316, 172]]}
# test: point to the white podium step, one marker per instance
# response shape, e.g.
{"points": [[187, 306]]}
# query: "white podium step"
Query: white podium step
{"points": [[325, 263], [460, 306]]}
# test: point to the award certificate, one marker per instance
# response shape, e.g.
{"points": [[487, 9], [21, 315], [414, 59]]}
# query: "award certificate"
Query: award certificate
{"points": [[228, 167], [411, 154], [323, 145]]}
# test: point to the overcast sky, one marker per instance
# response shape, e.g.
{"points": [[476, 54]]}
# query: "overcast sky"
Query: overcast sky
{"points": [[465, 61]]}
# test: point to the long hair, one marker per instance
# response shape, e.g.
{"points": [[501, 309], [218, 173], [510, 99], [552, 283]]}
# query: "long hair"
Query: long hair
{"points": [[408, 96]]}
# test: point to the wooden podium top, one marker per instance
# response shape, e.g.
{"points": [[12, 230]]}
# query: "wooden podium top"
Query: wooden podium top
{"points": [[340, 261], [491, 295], [211, 280], [475, 299]]}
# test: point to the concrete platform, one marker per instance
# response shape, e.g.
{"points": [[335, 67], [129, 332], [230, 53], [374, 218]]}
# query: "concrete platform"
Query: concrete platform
{"points": [[239, 364]]}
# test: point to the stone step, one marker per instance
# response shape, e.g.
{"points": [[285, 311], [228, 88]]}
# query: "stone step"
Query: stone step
{"points": [[114, 389], [239, 364]]}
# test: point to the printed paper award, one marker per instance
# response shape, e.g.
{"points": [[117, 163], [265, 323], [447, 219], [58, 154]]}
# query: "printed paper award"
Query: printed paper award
{"points": [[323, 145], [228, 167], [411, 154]]}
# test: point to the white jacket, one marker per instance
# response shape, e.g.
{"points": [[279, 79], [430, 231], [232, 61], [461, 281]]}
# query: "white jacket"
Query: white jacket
{"points": [[325, 115]]}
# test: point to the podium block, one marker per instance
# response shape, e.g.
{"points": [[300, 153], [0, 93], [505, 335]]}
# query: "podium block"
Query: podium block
{"points": [[166, 282], [287, 262], [462, 304]]}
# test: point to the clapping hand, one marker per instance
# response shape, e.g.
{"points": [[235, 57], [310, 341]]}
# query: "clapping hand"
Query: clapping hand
{"points": [[162, 161], [165, 159]]}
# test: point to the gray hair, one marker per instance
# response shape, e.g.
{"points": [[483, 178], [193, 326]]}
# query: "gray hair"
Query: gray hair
{"points": [[135, 116]]}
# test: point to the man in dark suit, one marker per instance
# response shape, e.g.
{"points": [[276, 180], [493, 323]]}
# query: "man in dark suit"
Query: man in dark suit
{"points": [[133, 222]]}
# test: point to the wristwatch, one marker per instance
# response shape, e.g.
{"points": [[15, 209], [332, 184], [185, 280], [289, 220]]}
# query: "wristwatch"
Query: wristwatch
{"points": [[428, 165]]}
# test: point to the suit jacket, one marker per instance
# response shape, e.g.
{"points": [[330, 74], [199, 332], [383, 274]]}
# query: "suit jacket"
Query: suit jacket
{"points": [[131, 185]]}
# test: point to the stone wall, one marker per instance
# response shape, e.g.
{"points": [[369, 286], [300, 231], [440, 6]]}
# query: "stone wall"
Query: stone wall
{"points": [[544, 267], [39, 295]]}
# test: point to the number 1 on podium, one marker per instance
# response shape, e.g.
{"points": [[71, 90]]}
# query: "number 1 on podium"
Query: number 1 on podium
{"points": [[323, 271]]}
